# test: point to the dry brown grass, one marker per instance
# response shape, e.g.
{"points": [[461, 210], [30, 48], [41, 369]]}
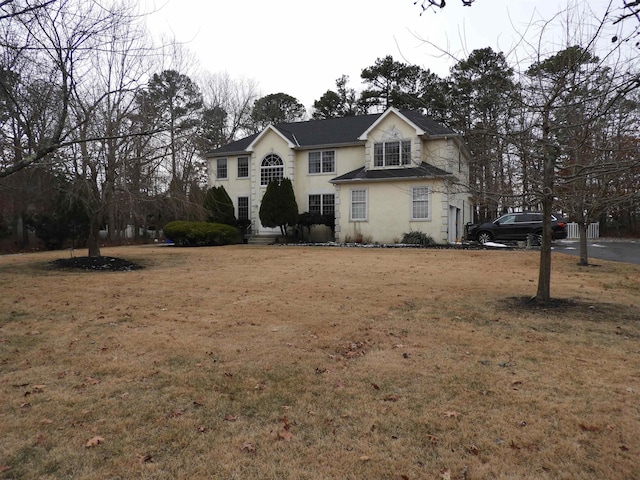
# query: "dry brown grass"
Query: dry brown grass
{"points": [[318, 363]]}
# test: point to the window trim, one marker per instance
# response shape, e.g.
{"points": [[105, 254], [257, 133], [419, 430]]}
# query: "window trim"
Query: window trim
{"points": [[321, 163], [412, 204], [246, 158], [219, 166], [365, 202]]}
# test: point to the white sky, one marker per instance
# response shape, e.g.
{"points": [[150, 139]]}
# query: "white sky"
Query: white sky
{"points": [[300, 47]]}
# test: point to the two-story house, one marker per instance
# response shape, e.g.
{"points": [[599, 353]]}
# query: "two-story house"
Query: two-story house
{"points": [[381, 175]]}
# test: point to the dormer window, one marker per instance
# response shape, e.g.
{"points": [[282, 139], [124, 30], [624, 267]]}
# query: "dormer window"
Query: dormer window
{"points": [[392, 154]]}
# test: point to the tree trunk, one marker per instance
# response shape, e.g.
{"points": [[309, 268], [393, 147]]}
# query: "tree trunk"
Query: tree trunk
{"points": [[93, 242], [584, 258], [24, 230], [543, 294]]}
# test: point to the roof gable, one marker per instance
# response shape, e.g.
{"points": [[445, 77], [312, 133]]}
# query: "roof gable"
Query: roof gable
{"points": [[387, 113], [270, 128]]}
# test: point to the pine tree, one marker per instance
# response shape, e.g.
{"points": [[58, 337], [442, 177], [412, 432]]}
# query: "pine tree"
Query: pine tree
{"points": [[279, 207], [219, 206]]}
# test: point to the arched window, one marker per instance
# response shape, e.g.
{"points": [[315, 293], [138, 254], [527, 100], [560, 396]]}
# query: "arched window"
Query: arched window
{"points": [[271, 168]]}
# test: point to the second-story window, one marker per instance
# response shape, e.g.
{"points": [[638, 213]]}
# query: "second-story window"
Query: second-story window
{"points": [[392, 154], [272, 168], [221, 168], [243, 167], [322, 162]]}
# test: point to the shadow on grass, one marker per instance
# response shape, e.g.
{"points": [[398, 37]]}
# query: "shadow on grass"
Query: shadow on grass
{"points": [[575, 309]]}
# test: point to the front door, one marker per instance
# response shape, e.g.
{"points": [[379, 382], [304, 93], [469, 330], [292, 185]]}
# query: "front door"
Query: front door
{"points": [[454, 224]]}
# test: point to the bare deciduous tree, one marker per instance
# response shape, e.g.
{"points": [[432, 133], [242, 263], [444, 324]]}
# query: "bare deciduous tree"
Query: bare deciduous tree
{"points": [[229, 103]]}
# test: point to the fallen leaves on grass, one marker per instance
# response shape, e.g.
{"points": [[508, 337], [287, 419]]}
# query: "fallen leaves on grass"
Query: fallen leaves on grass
{"points": [[94, 442], [176, 413], [354, 349], [589, 428], [248, 447], [451, 414], [230, 418], [285, 434], [144, 459], [433, 439], [473, 449]]}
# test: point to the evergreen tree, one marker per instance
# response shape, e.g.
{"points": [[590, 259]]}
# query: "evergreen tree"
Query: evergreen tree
{"points": [[391, 84], [481, 96], [219, 206], [279, 207], [343, 103], [276, 108]]}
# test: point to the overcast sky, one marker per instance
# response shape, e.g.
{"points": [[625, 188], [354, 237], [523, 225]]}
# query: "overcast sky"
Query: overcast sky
{"points": [[300, 47]]}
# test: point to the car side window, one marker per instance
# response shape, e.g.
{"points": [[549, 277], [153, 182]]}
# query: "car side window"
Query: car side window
{"points": [[507, 219]]}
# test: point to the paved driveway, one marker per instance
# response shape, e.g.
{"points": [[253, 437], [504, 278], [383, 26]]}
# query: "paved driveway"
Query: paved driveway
{"points": [[604, 249]]}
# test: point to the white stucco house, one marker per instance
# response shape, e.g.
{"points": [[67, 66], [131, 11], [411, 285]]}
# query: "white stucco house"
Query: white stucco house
{"points": [[381, 175]]}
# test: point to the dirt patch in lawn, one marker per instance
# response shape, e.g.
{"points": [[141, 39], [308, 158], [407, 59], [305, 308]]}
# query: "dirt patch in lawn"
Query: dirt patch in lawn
{"points": [[318, 362]]}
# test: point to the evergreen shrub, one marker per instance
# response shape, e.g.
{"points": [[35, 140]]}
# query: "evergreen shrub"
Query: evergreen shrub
{"points": [[418, 238], [196, 234]]}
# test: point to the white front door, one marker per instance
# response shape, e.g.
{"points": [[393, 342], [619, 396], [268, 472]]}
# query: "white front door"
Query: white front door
{"points": [[454, 224]]}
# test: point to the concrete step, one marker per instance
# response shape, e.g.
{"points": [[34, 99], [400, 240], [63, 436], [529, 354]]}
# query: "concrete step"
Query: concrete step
{"points": [[264, 239]]}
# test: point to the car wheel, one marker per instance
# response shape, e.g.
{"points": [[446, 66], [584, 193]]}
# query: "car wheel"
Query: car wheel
{"points": [[484, 237], [536, 239]]}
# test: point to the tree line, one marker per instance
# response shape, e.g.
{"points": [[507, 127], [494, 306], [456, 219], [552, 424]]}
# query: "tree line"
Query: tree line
{"points": [[90, 138]]}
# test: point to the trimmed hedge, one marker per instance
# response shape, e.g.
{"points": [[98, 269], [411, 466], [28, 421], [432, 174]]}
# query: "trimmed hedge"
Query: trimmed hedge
{"points": [[196, 234]]}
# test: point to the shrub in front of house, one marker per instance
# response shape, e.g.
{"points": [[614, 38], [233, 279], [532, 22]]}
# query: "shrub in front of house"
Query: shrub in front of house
{"points": [[196, 234], [418, 238], [219, 206]]}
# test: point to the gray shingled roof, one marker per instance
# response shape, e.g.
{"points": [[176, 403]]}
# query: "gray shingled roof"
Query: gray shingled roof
{"points": [[333, 131], [424, 170]]}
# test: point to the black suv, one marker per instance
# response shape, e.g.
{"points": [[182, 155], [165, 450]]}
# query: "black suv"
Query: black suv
{"points": [[516, 226]]}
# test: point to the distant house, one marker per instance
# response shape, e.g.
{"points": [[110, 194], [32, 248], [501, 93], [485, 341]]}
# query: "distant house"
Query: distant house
{"points": [[381, 175]]}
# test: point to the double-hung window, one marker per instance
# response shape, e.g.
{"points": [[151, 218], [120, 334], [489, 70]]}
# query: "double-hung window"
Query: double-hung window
{"points": [[221, 168], [420, 203], [243, 208], [358, 207], [322, 204], [322, 161], [243, 167], [392, 154]]}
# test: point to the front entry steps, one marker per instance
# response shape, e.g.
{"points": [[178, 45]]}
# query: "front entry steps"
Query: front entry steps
{"points": [[264, 239]]}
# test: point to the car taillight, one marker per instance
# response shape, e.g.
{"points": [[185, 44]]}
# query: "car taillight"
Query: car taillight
{"points": [[561, 224]]}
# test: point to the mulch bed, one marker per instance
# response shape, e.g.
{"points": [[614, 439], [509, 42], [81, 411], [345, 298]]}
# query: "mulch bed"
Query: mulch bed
{"points": [[107, 264]]}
